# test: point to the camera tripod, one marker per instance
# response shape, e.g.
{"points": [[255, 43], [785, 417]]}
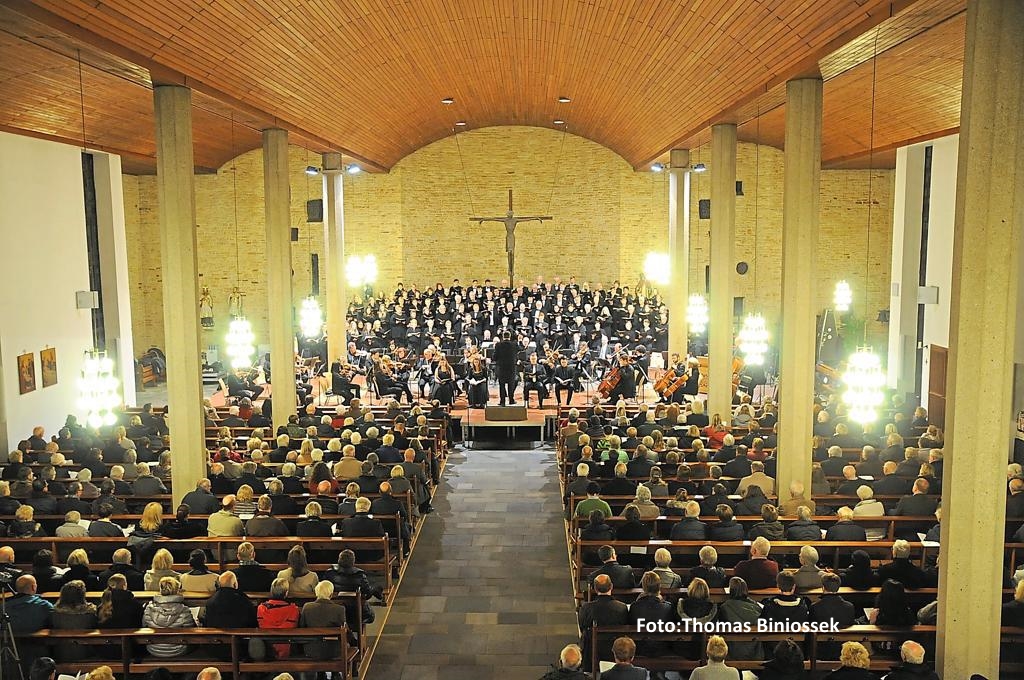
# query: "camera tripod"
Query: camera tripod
{"points": [[10, 662]]}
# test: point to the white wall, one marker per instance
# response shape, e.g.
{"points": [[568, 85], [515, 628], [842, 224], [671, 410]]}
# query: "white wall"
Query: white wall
{"points": [[43, 261], [906, 248], [939, 272]]}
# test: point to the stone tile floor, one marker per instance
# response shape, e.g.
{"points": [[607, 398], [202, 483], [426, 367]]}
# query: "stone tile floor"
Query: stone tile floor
{"points": [[487, 593]]}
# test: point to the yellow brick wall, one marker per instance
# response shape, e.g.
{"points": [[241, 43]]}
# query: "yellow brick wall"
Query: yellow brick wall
{"points": [[415, 221]]}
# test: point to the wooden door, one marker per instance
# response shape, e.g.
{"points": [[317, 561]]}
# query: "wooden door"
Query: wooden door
{"points": [[937, 385]]}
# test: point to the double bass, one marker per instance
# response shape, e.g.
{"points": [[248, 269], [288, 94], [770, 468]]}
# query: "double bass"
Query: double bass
{"points": [[610, 381]]}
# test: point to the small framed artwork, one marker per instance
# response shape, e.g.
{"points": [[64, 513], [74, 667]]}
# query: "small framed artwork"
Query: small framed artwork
{"points": [[26, 373], [48, 366]]}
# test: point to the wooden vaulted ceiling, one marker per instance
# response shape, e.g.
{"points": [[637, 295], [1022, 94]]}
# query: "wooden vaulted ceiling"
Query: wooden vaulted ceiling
{"points": [[366, 76]]}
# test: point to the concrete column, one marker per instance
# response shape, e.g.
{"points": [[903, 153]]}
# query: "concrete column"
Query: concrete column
{"points": [[800, 212], [334, 254], [678, 249], [280, 307], [117, 308], [723, 235], [907, 222], [177, 209], [983, 329]]}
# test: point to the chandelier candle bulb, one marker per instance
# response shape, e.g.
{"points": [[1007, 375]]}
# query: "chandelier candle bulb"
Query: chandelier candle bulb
{"points": [[98, 390], [697, 313], [753, 339], [311, 318], [240, 340], [843, 297], [864, 382]]}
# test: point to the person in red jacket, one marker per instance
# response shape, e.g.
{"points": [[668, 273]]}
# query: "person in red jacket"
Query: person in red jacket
{"points": [[277, 613]]}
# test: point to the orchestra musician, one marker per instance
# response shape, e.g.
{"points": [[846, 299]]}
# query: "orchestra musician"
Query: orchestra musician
{"points": [[342, 373], [476, 381], [240, 384], [444, 382], [626, 387], [565, 381], [534, 379], [384, 377], [425, 368]]}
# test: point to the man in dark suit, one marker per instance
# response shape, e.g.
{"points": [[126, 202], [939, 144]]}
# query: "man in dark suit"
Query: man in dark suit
{"points": [[505, 355], [901, 568], [919, 502], [121, 563], [689, 528], [361, 525], [328, 503], [832, 607], [890, 483], [621, 576], [739, 466], [249, 477], [229, 606], [200, 500], [910, 466], [850, 482], [639, 467], [73, 501], [42, 502], [1015, 501], [252, 576], [651, 606], [834, 464], [604, 610], [845, 529], [619, 486]]}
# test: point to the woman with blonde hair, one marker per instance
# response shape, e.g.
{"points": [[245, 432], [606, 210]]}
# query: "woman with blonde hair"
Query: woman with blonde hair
{"points": [[160, 568], [718, 652], [300, 579], [313, 525], [244, 501], [305, 456], [168, 610], [150, 525], [855, 663], [347, 506], [643, 503], [399, 483], [78, 570], [24, 526], [657, 441]]}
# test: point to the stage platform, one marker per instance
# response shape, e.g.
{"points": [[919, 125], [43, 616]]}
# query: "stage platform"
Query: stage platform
{"points": [[473, 420]]}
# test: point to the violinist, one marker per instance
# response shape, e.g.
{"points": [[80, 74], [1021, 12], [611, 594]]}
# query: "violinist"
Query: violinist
{"points": [[565, 381], [387, 384], [342, 373], [534, 378]]}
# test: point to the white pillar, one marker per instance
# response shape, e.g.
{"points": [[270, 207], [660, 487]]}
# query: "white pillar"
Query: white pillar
{"points": [[280, 308], [177, 207], [800, 216], [334, 254], [678, 250], [723, 236], [988, 220]]}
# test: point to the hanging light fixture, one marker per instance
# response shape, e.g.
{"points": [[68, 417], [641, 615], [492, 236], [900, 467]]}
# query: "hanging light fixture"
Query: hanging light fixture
{"points": [[753, 336], [843, 297], [98, 390], [753, 339], [311, 319], [361, 270], [697, 313], [240, 338], [864, 382], [656, 268], [240, 341]]}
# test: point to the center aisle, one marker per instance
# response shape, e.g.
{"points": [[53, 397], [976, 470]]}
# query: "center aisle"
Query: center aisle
{"points": [[487, 592]]}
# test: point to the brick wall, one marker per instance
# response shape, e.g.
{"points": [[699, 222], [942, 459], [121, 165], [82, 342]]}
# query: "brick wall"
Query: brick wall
{"points": [[415, 221]]}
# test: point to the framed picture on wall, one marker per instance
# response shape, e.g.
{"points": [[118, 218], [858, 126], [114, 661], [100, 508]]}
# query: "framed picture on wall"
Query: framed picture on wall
{"points": [[48, 366], [26, 373]]}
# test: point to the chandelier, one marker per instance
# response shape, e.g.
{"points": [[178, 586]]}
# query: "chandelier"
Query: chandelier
{"points": [[657, 268], [311, 319], [361, 270], [697, 313], [864, 382], [98, 390], [240, 341], [753, 339], [843, 297]]}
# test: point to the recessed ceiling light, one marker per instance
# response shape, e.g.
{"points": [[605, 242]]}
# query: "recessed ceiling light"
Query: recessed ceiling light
{"points": [[353, 169], [559, 121], [460, 123], [657, 167], [564, 100], [448, 100]]}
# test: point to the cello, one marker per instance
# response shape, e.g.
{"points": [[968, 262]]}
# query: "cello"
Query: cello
{"points": [[610, 381]]}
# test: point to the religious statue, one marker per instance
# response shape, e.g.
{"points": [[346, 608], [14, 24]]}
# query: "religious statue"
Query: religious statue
{"points": [[510, 222], [235, 303], [206, 309]]}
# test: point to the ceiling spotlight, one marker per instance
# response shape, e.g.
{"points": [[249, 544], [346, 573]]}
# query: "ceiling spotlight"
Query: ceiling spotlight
{"points": [[657, 167], [353, 169], [312, 170], [700, 167], [448, 100], [564, 100], [460, 123], [559, 121]]}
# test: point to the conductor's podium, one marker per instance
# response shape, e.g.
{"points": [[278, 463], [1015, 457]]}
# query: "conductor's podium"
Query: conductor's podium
{"points": [[505, 413]]}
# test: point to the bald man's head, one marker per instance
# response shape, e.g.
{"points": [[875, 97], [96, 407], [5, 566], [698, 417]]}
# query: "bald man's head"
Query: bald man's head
{"points": [[26, 585], [228, 579], [571, 658], [6, 555]]}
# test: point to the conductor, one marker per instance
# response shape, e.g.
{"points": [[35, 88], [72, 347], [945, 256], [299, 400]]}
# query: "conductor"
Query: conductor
{"points": [[505, 356]]}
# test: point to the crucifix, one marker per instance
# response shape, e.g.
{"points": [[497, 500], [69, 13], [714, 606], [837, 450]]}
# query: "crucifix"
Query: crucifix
{"points": [[510, 222]]}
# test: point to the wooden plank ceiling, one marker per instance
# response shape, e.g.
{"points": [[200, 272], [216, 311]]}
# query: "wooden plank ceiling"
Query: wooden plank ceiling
{"points": [[367, 76]]}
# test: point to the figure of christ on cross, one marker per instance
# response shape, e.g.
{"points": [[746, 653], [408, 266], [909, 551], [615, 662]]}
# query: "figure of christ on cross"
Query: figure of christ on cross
{"points": [[510, 221]]}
